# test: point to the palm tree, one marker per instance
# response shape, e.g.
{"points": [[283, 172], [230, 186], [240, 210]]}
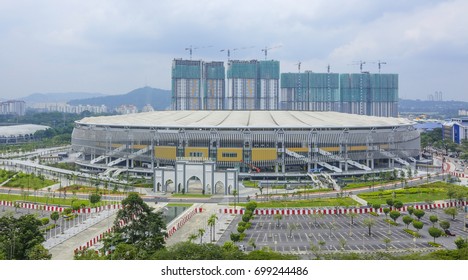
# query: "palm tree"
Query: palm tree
{"points": [[369, 222], [201, 232], [291, 227], [234, 193], [192, 237], [387, 241], [212, 223], [277, 217]]}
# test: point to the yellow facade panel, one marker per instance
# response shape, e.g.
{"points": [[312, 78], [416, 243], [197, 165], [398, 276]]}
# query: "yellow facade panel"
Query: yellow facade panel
{"points": [[331, 149], [165, 152], [299, 150], [357, 148], [264, 154]]}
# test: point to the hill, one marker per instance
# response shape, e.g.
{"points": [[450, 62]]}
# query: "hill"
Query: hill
{"points": [[57, 97], [160, 99], [442, 109]]}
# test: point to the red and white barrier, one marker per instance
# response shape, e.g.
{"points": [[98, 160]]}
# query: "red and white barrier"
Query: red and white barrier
{"points": [[181, 221], [332, 211]]}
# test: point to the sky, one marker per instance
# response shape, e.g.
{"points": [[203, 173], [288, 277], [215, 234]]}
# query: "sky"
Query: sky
{"points": [[115, 46]]}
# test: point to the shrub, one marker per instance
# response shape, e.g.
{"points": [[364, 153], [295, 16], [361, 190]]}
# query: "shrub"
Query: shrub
{"points": [[419, 213], [412, 232], [242, 223], [394, 215], [45, 221], [235, 237], [242, 236], [397, 204], [245, 218], [248, 225], [240, 229], [418, 225], [251, 206]]}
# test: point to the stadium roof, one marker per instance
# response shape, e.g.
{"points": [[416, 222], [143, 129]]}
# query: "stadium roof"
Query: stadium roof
{"points": [[22, 129], [243, 119]]}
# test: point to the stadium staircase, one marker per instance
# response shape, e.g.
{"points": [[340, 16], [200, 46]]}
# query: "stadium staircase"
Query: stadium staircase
{"points": [[131, 156], [111, 153], [394, 157], [349, 161]]}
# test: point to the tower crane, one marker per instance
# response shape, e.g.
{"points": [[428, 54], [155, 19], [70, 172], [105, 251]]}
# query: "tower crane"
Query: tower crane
{"points": [[266, 49], [191, 48], [228, 51], [360, 64], [379, 63], [298, 66]]}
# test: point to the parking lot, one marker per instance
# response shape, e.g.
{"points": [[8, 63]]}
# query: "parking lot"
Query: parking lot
{"points": [[334, 233]]}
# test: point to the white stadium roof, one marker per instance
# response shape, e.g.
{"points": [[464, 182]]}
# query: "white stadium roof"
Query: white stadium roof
{"points": [[243, 119], [22, 129]]}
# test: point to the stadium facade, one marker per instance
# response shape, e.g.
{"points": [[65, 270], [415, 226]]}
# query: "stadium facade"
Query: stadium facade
{"points": [[264, 142]]}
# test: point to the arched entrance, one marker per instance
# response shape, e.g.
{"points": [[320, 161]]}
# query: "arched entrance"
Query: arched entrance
{"points": [[219, 187], [169, 186], [194, 185]]}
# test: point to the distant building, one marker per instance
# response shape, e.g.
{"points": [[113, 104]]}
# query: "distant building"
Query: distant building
{"points": [[197, 85], [13, 107], [455, 130], [66, 108], [463, 112], [310, 91], [147, 108], [253, 85], [127, 109]]}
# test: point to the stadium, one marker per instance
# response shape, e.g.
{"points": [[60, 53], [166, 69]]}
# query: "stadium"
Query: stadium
{"points": [[256, 143]]}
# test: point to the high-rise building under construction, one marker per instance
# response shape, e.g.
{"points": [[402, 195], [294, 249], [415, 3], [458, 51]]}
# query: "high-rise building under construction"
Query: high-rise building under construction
{"points": [[369, 94], [310, 91], [253, 85], [197, 85]]}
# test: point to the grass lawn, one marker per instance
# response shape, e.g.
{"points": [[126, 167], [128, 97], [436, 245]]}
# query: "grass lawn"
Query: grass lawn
{"points": [[29, 180], [179, 204], [86, 189], [426, 192], [356, 185], [318, 202], [45, 200], [250, 184]]}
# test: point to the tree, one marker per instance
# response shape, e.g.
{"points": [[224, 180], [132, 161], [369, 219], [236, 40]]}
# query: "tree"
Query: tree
{"points": [[369, 222], [352, 215], [94, 198], [251, 242], [445, 225], [418, 225], [397, 204], [192, 237], [394, 215], [141, 227], [433, 219], [410, 210], [390, 201], [376, 206], [38, 252], [54, 216], [435, 232], [291, 228], [277, 217], [201, 232], [451, 191], [343, 243], [451, 211], [387, 241], [419, 213], [386, 211], [461, 243], [20, 236], [234, 194], [212, 224], [316, 216], [407, 220]]}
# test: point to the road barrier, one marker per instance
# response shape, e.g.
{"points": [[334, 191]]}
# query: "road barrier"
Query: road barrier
{"points": [[335, 211]]}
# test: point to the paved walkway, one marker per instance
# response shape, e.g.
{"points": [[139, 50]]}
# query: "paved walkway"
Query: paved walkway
{"points": [[200, 221], [63, 246]]}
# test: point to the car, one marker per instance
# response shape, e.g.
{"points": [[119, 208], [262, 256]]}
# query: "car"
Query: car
{"points": [[449, 233]]}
